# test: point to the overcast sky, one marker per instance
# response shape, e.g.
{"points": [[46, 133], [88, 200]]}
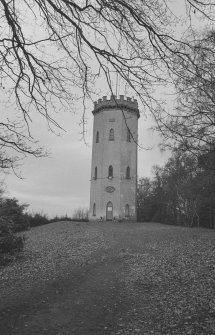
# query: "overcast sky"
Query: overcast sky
{"points": [[59, 184]]}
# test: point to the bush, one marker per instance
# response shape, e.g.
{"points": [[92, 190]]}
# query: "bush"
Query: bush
{"points": [[37, 219], [10, 244], [11, 209], [60, 218]]}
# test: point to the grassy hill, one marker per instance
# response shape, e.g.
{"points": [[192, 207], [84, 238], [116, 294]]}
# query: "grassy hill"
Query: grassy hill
{"points": [[111, 278]]}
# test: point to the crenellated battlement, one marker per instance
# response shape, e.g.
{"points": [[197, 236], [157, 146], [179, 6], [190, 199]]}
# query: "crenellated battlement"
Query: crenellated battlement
{"points": [[114, 102]]}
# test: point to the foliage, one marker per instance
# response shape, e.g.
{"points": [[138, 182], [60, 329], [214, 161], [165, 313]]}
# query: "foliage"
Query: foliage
{"points": [[182, 192], [206, 182], [147, 207], [179, 191], [60, 218], [48, 48], [12, 220], [37, 219], [14, 211], [40, 219], [10, 244]]}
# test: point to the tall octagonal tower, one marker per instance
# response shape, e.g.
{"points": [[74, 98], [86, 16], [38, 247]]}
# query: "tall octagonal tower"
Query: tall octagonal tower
{"points": [[113, 192]]}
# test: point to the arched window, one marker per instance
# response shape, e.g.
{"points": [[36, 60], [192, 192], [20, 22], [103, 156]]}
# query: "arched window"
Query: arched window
{"points": [[95, 174], [110, 171], [128, 176], [97, 137], [94, 209], [111, 135], [127, 210], [128, 135]]}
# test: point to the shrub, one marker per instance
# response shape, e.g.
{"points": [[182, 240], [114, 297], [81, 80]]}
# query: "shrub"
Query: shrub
{"points": [[11, 209], [10, 244], [61, 218], [37, 219]]}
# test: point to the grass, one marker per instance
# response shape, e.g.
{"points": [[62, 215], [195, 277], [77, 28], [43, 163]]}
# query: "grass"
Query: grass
{"points": [[113, 279]]}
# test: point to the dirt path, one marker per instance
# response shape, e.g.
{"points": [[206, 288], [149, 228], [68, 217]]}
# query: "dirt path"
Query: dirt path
{"points": [[111, 279], [87, 298], [91, 301]]}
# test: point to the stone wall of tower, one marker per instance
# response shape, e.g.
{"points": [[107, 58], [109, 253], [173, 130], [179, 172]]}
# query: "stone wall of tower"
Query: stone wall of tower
{"points": [[120, 153], [128, 153]]}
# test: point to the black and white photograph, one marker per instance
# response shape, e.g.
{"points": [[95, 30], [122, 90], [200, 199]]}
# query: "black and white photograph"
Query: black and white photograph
{"points": [[107, 167]]}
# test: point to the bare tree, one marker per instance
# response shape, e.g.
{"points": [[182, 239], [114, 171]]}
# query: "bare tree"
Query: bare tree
{"points": [[176, 181], [72, 43], [80, 214], [15, 144], [191, 125]]}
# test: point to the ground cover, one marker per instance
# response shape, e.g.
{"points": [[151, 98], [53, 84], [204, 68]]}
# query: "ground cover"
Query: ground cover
{"points": [[111, 278]]}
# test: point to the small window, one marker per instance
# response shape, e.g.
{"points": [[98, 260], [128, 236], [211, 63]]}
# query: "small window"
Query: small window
{"points": [[110, 171], [111, 135], [97, 137], [127, 210], [94, 209], [128, 176], [128, 135], [95, 174]]}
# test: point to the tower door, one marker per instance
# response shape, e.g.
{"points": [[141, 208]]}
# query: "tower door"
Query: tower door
{"points": [[109, 211], [127, 210]]}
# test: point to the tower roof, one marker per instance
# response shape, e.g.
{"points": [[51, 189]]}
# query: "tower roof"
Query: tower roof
{"points": [[113, 103]]}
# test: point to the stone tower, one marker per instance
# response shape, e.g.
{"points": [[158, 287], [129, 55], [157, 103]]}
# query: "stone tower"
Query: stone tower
{"points": [[113, 190]]}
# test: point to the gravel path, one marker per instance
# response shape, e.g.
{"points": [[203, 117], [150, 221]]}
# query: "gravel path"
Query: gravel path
{"points": [[111, 279]]}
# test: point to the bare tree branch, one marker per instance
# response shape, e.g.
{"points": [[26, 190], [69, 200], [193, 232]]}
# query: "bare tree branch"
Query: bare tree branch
{"points": [[50, 48]]}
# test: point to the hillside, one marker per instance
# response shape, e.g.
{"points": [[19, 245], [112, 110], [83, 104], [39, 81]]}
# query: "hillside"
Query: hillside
{"points": [[110, 278]]}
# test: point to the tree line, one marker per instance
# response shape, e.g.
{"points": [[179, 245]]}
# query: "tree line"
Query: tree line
{"points": [[182, 192]]}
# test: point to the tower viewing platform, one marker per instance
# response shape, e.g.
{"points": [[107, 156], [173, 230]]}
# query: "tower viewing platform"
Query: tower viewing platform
{"points": [[114, 102]]}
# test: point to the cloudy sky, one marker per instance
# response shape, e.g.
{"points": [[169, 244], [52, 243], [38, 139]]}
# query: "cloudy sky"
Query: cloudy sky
{"points": [[60, 183]]}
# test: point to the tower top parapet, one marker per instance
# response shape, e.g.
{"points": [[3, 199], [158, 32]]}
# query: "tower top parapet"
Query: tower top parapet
{"points": [[114, 102]]}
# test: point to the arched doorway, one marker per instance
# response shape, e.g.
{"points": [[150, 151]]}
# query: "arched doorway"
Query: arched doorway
{"points": [[128, 173], [94, 209], [127, 210], [109, 211]]}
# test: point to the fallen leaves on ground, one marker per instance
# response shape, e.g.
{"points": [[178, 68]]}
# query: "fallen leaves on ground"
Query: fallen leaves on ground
{"points": [[161, 278], [172, 283]]}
